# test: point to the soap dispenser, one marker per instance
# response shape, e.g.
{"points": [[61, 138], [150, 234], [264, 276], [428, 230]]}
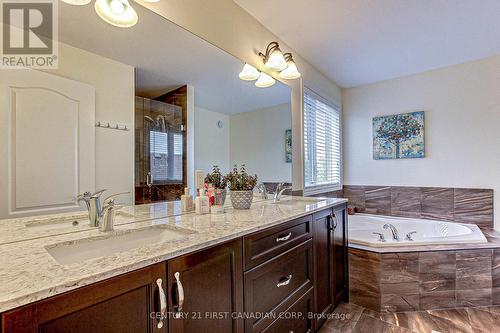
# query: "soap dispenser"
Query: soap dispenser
{"points": [[202, 203], [187, 203]]}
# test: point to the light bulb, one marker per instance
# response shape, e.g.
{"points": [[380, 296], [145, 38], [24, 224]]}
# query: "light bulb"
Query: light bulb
{"points": [[291, 72], [116, 12], [117, 7], [77, 2], [249, 73], [264, 81], [276, 61]]}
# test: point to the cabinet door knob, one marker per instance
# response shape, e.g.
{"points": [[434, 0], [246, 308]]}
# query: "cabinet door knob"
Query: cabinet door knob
{"points": [[180, 295], [284, 281], [163, 302], [283, 238]]}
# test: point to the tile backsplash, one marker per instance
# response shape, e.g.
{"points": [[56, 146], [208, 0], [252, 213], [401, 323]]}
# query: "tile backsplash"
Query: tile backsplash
{"points": [[439, 203]]}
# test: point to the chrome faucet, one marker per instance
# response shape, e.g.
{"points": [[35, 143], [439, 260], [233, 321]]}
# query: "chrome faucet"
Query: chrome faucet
{"points": [[279, 191], [395, 233], [93, 202], [108, 216], [263, 191], [95, 209]]}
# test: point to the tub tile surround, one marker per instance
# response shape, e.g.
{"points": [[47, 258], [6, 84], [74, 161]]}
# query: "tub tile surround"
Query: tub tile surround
{"points": [[394, 282], [438, 203]]}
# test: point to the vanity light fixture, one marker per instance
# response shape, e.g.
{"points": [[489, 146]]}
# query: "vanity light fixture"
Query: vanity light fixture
{"points": [[77, 2], [264, 80], [116, 12], [249, 73], [291, 72], [273, 58]]}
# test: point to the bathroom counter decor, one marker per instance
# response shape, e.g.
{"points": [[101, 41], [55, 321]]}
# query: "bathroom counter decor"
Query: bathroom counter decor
{"points": [[30, 273]]}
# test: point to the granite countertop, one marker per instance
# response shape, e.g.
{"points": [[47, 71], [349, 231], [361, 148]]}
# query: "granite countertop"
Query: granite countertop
{"points": [[29, 273]]}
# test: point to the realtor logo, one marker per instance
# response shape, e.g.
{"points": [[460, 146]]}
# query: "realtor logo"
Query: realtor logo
{"points": [[29, 32]]}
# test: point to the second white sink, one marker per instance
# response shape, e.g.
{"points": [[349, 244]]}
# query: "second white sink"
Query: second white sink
{"points": [[89, 248]]}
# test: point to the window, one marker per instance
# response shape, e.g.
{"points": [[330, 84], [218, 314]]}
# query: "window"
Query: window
{"points": [[166, 156], [322, 144]]}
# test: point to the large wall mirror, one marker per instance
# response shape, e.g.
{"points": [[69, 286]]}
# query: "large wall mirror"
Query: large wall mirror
{"points": [[134, 110]]}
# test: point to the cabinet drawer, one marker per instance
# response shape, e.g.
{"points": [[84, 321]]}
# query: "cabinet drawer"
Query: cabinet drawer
{"points": [[270, 286], [267, 244], [295, 318]]}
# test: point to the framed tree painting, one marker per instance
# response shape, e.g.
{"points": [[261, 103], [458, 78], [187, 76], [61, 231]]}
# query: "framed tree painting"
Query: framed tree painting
{"points": [[399, 136]]}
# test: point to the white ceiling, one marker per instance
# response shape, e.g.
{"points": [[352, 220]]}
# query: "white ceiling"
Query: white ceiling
{"points": [[356, 42], [166, 57]]}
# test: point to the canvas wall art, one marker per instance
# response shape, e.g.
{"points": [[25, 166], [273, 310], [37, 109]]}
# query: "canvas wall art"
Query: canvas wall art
{"points": [[399, 136], [288, 146]]}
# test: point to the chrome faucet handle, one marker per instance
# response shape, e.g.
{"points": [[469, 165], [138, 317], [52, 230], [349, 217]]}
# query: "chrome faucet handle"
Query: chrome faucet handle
{"points": [[381, 237], [98, 193], [408, 236]]}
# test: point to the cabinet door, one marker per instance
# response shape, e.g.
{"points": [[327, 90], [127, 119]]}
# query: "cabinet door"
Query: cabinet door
{"points": [[121, 304], [323, 264], [340, 267], [206, 289]]}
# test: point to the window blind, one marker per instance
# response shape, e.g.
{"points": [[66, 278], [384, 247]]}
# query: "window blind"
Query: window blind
{"points": [[322, 142]]}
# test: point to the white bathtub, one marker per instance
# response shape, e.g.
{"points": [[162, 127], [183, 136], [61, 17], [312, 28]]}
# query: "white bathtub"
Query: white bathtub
{"points": [[362, 227]]}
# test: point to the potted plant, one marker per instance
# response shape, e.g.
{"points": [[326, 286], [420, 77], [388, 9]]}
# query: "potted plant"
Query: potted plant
{"points": [[218, 183], [241, 185]]}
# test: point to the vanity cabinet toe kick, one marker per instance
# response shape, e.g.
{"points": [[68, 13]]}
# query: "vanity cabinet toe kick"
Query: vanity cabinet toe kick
{"points": [[286, 278]]}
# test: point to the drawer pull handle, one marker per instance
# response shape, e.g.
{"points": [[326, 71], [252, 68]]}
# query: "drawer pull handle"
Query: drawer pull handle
{"points": [[284, 281], [180, 295], [163, 302], [284, 238]]}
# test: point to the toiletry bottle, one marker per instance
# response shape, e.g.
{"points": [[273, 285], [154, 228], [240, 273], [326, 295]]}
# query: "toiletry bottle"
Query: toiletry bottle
{"points": [[202, 204], [187, 203]]}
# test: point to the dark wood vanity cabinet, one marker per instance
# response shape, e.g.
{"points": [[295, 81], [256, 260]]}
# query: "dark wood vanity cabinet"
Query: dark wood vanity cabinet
{"points": [[291, 270], [330, 261], [206, 289], [120, 304]]}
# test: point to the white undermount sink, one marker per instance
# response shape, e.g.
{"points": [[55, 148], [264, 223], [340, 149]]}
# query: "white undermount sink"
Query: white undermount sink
{"points": [[89, 248]]}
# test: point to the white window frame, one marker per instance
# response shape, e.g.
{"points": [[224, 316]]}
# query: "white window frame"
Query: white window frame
{"points": [[318, 189]]}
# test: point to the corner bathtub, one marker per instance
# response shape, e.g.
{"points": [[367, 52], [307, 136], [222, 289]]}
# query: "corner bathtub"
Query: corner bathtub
{"points": [[362, 227]]}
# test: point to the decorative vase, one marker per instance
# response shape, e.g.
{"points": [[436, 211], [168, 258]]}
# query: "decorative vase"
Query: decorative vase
{"points": [[219, 200], [241, 199]]}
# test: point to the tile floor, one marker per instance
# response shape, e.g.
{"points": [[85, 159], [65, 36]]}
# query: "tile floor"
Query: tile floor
{"points": [[350, 318]]}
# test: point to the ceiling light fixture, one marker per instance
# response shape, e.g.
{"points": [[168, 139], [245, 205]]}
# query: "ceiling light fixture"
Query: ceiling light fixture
{"points": [[249, 73], [273, 58], [116, 12], [264, 80], [77, 2], [290, 72]]}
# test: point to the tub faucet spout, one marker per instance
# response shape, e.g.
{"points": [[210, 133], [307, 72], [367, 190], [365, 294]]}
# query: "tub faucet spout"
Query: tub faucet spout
{"points": [[395, 233]]}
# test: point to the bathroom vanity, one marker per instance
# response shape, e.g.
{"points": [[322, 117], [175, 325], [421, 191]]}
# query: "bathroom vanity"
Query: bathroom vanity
{"points": [[274, 268]]}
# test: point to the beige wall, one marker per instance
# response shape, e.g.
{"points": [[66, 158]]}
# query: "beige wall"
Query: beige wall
{"points": [[115, 91], [258, 141], [462, 110], [211, 144], [226, 25]]}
